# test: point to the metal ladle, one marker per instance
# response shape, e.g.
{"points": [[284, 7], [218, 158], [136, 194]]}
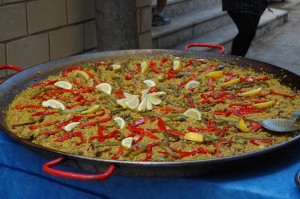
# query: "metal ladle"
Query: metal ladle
{"points": [[282, 125]]}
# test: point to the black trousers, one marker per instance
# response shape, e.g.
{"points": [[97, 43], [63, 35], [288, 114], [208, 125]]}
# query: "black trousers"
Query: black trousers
{"points": [[246, 25]]}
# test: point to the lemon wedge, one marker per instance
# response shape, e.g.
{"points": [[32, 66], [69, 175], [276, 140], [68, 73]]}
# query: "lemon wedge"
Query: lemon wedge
{"points": [[177, 65], [63, 84], [53, 104], [121, 122], [251, 93], [196, 137], [145, 66], [94, 109], [127, 142], [215, 74], [154, 100], [157, 93], [104, 87], [133, 102], [149, 83], [116, 67], [82, 74], [71, 126], [231, 82], [142, 106], [149, 104], [192, 84], [193, 113], [242, 126], [264, 104]]}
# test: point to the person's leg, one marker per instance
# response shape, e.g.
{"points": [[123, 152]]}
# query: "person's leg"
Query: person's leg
{"points": [[160, 6], [246, 25], [159, 17]]}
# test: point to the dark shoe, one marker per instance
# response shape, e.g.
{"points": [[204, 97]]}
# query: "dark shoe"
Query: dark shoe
{"points": [[160, 20]]}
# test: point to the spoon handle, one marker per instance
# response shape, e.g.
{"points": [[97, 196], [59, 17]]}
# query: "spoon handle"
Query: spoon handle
{"points": [[297, 178]]}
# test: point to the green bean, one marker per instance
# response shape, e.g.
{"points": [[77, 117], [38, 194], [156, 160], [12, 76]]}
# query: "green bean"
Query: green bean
{"points": [[211, 138], [101, 144], [115, 111], [178, 117]]}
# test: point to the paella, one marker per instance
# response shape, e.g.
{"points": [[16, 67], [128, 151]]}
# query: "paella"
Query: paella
{"points": [[160, 108]]}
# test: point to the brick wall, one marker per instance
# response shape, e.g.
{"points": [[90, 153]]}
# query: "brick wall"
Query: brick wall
{"points": [[37, 31]]}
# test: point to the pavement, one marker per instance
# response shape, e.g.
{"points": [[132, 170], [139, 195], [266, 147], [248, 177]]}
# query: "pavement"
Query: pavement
{"points": [[281, 46]]}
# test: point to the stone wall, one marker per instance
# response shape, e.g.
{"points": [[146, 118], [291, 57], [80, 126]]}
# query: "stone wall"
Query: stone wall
{"points": [[37, 31]]}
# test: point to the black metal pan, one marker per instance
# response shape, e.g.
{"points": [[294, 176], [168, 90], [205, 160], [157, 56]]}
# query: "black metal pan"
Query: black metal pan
{"points": [[20, 81]]}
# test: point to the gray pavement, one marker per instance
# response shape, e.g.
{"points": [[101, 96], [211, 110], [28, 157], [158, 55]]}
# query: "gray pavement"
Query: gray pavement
{"points": [[281, 46]]}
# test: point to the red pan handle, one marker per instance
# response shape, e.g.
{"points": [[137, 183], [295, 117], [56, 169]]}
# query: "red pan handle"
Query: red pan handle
{"points": [[47, 167], [218, 46], [10, 67]]}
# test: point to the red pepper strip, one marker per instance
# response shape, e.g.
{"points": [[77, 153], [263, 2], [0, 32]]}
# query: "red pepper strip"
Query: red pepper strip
{"points": [[175, 133], [218, 152], [43, 113], [271, 91], [88, 124], [210, 83], [91, 75], [245, 110], [163, 61], [45, 83], [118, 154], [113, 134], [75, 118], [32, 127], [239, 111], [61, 91], [79, 97], [189, 100], [41, 97], [251, 79], [29, 106], [149, 151], [80, 103], [229, 76], [153, 89], [224, 131], [255, 126], [50, 132], [256, 140], [100, 137], [161, 125], [78, 83], [96, 115], [130, 75], [70, 135], [142, 131], [105, 119], [139, 122], [189, 153], [153, 67], [120, 94], [240, 104], [171, 73], [65, 72], [194, 60]]}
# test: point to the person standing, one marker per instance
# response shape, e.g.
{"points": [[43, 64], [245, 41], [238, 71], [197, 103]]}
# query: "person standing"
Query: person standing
{"points": [[159, 16], [246, 15]]}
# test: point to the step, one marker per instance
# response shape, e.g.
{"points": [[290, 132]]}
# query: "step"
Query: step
{"points": [[224, 36], [175, 8], [189, 26]]}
